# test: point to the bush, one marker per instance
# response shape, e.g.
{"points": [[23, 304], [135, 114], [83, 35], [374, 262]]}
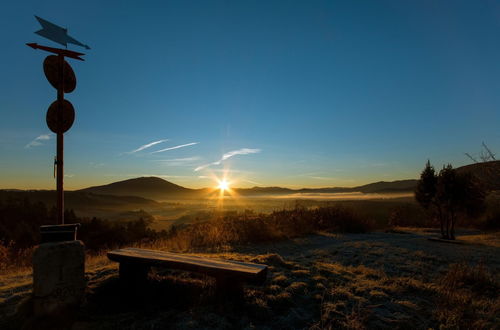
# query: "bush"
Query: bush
{"points": [[234, 228], [492, 221], [408, 215], [103, 234]]}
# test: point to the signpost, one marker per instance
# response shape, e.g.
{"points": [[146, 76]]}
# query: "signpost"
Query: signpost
{"points": [[59, 261], [61, 114]]}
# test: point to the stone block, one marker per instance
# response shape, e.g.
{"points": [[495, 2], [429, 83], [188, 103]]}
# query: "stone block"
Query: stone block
{"points": [[58, 277]]}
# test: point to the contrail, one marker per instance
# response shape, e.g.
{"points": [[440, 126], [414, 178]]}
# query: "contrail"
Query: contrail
{"points": [[178, 161], [243, 151], [36, 141], [149, 145], [227, 155], [176, 147]]}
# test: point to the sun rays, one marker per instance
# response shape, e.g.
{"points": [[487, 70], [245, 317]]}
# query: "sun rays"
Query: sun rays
{"points": [[223, 189], [223, 185]]}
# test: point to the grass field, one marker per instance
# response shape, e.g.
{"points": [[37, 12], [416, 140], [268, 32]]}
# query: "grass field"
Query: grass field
{"points": [[333, 264], [321, 281]]}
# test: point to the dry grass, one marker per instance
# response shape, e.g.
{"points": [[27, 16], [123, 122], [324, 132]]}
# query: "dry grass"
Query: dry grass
{"points": [[351, 281], [13, 260], [469, 298], [224, 231], [466, 297]]}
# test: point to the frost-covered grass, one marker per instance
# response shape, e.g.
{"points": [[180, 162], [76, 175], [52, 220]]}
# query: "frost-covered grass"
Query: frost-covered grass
{"points": [[371, 280]]}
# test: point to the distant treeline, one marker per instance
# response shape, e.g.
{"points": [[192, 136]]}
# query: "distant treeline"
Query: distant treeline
{"points": [[20, 222]]}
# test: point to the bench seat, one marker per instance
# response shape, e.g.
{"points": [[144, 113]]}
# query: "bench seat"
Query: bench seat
{"points": [[135, 264]]}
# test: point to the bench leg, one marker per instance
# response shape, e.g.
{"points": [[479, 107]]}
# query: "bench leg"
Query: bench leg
{"points": [[133, 274], [229, 288]]}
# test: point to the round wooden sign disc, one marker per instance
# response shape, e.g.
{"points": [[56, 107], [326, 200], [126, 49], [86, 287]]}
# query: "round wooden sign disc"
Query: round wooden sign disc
{"points": [[52, 70], [60, 116]]}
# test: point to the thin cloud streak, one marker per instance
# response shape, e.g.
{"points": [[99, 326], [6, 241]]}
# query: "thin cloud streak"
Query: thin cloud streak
{"points": [[146, 146], [188, 159], [37, 141], [252, 182], [323, 178], [176, 147], [227, 155], [244, 151], [178, 161]]}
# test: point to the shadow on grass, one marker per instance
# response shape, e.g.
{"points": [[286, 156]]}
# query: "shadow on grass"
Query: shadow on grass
{"points": [[168, 298]]}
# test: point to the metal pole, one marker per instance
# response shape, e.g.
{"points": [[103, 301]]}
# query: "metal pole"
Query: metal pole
{"points": [[60, 148]]}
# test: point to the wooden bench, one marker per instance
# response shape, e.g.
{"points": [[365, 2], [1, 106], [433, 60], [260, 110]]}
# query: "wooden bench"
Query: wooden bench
{"points": [[229, 275]]}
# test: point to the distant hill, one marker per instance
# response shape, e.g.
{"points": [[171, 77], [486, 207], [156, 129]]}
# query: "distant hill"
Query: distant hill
{"points": [[377, 187], [388, 187], [488, 173], [159, 189], [146, 187]]}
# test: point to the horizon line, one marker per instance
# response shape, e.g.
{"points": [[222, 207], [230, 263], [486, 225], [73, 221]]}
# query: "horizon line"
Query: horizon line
{"points": [[295, 188]]}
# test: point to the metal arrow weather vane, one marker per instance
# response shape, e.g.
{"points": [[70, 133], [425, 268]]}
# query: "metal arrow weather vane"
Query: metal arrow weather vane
{"points": [[61, 114], [56, 33]]}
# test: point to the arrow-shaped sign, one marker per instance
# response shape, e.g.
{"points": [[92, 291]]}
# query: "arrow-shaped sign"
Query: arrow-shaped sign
{"points": [[56, 33], [58, 51]]}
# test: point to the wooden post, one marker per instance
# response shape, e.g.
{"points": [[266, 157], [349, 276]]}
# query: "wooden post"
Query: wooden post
{"points": [[60, 148]]}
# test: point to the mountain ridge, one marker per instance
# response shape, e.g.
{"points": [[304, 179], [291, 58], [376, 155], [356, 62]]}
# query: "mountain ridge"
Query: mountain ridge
{"points": [[156, 188], [146, 187]]}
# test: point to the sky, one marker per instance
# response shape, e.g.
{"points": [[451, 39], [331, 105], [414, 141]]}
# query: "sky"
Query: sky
{"points": [[268, 93]]}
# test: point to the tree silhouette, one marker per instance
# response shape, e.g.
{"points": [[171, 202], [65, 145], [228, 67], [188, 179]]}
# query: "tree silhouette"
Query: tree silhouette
{"points": [[449, 196]]}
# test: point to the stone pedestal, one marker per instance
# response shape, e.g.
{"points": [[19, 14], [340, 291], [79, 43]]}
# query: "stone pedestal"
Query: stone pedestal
{"points": [[58, 277]]}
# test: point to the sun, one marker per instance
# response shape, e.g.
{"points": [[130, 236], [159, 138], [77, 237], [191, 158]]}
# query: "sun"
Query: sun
{"points": [[223, 185]]}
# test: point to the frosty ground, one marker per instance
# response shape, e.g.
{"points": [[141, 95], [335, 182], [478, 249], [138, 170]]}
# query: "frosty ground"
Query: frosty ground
{"points": [[396, 279]]}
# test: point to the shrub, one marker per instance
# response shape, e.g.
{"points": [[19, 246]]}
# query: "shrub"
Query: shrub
{"points": [[234, 228], [103, 234], [491, 220], [408, 215]]}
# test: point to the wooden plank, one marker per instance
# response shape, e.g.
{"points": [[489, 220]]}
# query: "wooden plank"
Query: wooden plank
{"points": [[211, 266]]}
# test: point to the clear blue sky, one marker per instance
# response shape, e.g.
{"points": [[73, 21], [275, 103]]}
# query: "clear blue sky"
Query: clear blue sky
{"points": [[289, 93]]}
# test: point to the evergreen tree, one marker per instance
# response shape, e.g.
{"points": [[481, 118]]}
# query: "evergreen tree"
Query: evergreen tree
{"points": [[449, 196]]}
